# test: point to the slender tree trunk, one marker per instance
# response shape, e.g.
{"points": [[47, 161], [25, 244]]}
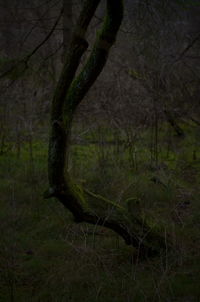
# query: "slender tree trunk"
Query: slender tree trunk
{"points": [[69, 93], [67, 24]]}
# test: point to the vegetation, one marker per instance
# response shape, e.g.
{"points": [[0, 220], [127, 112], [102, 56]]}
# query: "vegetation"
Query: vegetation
{"points": [[122, 156], [45, 256]]}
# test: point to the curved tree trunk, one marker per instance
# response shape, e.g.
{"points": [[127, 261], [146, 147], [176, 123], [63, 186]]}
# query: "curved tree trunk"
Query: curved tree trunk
{"points": [[69, 93]]}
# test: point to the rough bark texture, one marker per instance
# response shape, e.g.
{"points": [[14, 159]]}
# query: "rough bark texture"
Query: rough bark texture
{"points": [[69, 93]]}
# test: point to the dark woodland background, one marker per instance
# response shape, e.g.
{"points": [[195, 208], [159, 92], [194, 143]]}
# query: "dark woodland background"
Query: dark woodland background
{"points": [[135, 140]]}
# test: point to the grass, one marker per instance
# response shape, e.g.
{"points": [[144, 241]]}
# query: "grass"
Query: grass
{"points": [[44, 256]]}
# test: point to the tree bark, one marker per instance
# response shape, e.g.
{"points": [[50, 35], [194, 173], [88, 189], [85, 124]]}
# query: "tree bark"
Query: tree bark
{"points": [[67, 24], [69, 93]]}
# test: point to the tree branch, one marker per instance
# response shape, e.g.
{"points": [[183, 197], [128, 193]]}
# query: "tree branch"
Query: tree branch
{"points": [[25, 60], [188, 47]]}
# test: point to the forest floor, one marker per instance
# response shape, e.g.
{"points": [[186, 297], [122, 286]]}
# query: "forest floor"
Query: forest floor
{"points": [[45, 256]]}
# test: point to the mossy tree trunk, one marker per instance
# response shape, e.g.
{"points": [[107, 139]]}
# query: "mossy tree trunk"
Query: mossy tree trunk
{"points": [[69, 93]]}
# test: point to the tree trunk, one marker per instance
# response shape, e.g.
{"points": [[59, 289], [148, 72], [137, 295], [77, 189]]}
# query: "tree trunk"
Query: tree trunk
{"points": [[69, 93], [67, 24]]}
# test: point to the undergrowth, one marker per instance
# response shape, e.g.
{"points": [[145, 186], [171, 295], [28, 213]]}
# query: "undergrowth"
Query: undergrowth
{"points": [[45, 256]]}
